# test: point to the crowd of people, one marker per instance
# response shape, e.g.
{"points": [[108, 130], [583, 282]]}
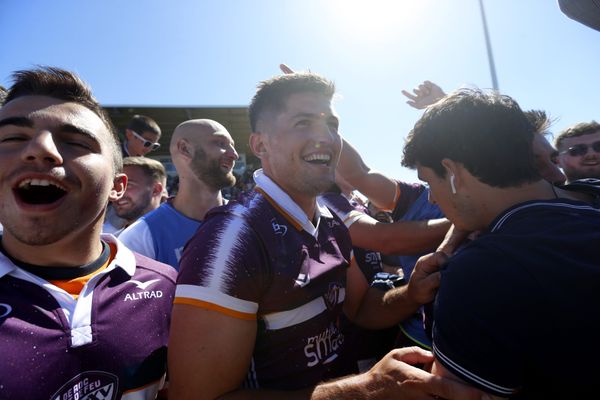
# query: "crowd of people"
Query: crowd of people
{"points": [[316, 277]]}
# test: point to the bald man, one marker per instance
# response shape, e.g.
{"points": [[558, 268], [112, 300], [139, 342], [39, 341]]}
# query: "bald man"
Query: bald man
{"points": [[204, 155]]}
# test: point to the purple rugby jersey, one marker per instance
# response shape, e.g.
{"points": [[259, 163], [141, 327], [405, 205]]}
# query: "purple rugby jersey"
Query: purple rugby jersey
{"points": [[110, 343], [263, 259]]}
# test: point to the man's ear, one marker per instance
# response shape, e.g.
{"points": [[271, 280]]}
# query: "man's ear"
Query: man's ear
{"points": [[119, 187], [157, 189], [449, 166], [185, 148], [257, 144], [454, 173]]}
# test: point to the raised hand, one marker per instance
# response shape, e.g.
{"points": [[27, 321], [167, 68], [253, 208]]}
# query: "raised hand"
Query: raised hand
{"points": [[424, 95]]}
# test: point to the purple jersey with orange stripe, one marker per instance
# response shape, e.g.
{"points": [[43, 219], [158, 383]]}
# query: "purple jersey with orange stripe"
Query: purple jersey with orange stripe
{"points": [[262, 259], [109, 343]]}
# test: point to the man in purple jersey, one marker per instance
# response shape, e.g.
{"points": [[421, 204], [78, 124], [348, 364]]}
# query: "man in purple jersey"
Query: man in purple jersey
{"points": [[81, 316], [264, 280]]}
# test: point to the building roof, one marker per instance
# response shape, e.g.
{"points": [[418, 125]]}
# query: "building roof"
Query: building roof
{"points": [[235, 119]]}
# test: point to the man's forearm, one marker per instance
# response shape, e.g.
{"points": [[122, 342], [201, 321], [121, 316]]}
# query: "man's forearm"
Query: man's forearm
{"points": [[351, 387], [380, 189], [401, 237]]}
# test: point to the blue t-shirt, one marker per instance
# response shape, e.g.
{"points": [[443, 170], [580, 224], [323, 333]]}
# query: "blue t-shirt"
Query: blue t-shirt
{"points": [[413, 205], [161, 234]]}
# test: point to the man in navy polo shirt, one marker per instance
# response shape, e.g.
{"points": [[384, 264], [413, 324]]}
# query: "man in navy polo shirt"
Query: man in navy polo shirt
{"points": [[514, 304], [81, 316]]}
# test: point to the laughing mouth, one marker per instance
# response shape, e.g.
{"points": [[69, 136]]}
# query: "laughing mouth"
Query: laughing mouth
{"points": [[39, 191], [318, 158]]}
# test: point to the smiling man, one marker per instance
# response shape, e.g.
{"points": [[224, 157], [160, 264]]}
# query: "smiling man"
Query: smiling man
{"points": [[579, 151], [81, 316], [146, 181], [264, 280], [204, 155]]}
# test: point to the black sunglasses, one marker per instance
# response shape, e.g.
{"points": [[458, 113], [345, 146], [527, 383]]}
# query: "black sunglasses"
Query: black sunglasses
{"points": [[582, 149], [147, 143]]}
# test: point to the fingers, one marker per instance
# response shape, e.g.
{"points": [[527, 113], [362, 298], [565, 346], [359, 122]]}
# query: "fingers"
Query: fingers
{"points": [[412, 355], [423, 90], [426, 278], [431, 263], [285, 69], [409, 95]]}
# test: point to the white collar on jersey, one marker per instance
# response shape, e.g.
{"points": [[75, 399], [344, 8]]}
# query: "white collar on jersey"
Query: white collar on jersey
{"points": [[124, 258], [289, 206]]}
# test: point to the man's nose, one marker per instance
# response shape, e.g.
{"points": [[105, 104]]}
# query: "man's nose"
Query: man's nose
{"points": [[42, 148]]}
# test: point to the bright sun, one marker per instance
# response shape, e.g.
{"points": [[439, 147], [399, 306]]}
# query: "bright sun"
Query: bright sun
{"points": [[373, 19]]}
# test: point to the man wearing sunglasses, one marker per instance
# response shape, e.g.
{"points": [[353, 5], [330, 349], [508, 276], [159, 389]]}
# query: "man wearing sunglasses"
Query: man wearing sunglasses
{"points": [[579, 150], [141, 136]]}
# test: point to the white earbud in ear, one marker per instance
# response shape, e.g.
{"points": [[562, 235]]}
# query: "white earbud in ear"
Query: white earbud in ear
{"points": [[452, 187]]}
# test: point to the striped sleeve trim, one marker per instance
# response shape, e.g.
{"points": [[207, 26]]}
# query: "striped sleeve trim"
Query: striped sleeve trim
{"points": [[352, 217], [470, 376], [206, 298], [305, 312]]}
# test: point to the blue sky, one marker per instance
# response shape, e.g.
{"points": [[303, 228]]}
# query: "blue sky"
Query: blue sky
{"points": [[213, 53]]}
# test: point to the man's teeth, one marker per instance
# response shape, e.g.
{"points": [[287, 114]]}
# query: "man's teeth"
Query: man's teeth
{"points": [[318, 157], [38, 182]]}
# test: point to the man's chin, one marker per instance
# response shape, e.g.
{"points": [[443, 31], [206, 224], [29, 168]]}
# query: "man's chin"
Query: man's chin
{"points": [[320, 186], [38, 237]]}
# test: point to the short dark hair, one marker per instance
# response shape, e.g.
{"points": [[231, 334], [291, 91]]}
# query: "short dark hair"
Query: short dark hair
{"points": [[273, 93], [580, 129], [539, 120], [141, 123], [152, 168], [486, 132], [63, 85]]}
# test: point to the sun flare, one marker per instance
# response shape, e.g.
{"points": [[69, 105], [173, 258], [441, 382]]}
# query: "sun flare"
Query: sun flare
{"points": [[374, 19]]}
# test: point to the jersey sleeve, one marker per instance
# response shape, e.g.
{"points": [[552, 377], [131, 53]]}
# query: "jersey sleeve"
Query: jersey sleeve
{"points": [[368, 261], [480, 320], [342, 208], [137, 237], [223, 268]]}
